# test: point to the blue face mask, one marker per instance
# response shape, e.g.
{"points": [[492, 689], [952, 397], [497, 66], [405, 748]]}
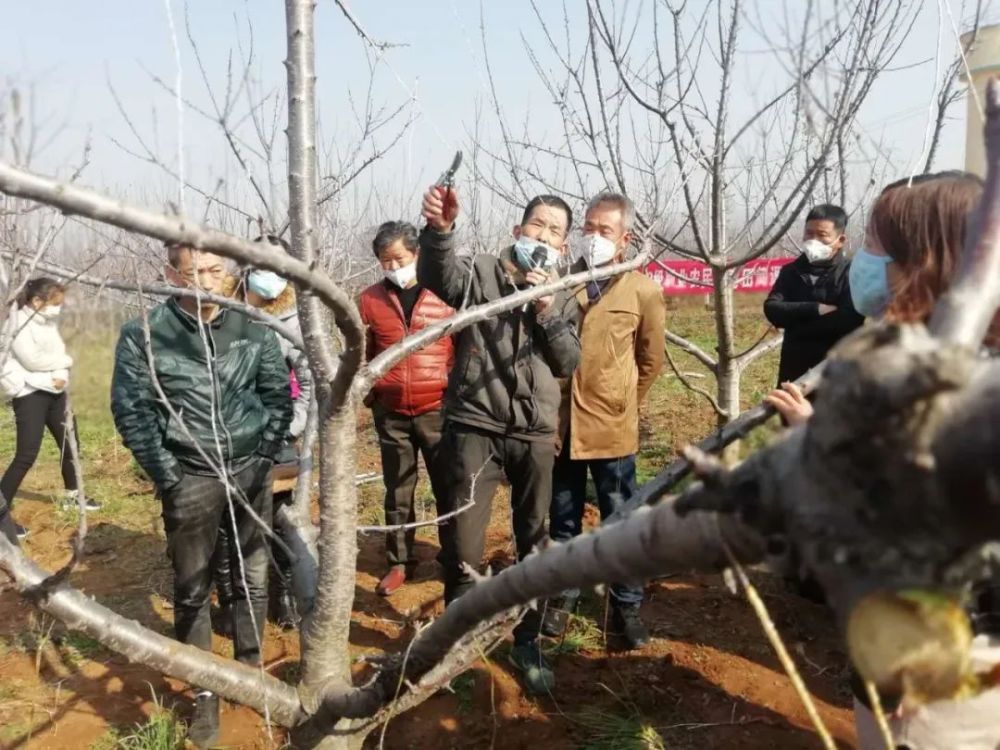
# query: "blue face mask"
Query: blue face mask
{"points": [[529, 258], [266, 283], [869, 283]]}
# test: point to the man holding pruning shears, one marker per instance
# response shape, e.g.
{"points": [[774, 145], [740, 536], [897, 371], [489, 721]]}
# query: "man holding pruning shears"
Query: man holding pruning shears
{"points": [[501, 407]]}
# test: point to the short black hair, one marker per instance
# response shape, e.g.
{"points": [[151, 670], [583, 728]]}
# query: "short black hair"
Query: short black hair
{"points": [[548, 200], [392, 231], [43, 288], [829, 212]]}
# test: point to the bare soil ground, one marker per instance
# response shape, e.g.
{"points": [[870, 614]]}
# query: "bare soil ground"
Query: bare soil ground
{"points": [[708, 679]]}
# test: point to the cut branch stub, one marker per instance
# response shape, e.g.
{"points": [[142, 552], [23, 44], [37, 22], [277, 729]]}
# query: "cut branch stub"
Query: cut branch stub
{"points": [[861, 491]]}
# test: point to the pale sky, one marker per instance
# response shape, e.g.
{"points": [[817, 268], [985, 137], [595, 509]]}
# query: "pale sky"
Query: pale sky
{"points": [[69, 51]]}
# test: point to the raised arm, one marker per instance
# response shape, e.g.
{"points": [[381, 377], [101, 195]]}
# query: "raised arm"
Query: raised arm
{"points": [[438, 268]]}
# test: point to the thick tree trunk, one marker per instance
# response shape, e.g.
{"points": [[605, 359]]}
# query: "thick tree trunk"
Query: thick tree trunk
{"points": [[326, 658], [326, 655], [728, 370]]}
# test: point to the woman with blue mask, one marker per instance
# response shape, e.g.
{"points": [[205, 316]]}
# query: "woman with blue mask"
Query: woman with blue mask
{"points": [[915, 234], [869, 279]]}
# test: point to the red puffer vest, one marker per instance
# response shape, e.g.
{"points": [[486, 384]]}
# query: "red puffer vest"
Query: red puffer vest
{"points": [[417, 384]]}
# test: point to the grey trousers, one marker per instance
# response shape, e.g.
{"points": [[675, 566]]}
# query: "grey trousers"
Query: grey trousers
{"points": [[473, 463], [400, 439]]}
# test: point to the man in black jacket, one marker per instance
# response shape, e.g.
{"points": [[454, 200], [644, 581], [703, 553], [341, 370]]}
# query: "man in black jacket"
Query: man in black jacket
{"points": [[208, 443], [502, 402], [811, 299]]}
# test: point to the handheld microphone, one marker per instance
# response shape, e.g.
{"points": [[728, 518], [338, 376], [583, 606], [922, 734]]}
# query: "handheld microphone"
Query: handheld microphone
{"points": [[538, 258]]}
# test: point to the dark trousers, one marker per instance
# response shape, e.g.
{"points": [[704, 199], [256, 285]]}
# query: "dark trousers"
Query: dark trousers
{"points": [[226, 576], [192, 513], [472, 464], [614, 480], [32, 414], [400, 438]]}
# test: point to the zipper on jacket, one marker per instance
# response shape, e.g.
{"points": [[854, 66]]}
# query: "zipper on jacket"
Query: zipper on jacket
{"points": [[213, 369], [408, 375]]}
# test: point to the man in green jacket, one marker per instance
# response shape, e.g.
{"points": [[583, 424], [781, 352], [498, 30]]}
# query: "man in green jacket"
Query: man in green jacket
{"points": [[502, 403], [207, 442]]}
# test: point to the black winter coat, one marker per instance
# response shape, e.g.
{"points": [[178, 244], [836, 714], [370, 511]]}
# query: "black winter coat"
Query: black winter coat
{"points": [[240, 393], [504, 378], [793, 305]]}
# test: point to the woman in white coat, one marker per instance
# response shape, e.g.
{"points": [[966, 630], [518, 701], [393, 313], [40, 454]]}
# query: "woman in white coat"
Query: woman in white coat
{"points": [[34, 375]]}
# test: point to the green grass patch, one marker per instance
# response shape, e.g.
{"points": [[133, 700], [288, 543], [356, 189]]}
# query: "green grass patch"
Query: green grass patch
{"points": [[604, 730], [463, 687], [162, 731], [582, 635], [77, 647], [15, 731], [9, 690]]}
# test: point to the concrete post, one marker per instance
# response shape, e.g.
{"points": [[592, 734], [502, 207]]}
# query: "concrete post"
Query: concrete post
{"points": [[984, 63]]}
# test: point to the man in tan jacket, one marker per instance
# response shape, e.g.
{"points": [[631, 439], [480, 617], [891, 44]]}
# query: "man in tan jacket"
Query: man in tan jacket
{"points": [[622, 353]]}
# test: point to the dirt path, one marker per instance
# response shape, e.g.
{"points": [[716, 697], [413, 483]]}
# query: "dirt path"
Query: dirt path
{"points": [[708, 679]]}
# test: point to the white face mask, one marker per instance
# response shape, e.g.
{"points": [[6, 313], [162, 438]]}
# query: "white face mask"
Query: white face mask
{"points": [[266, 284], [52, 312], [528, 254], [816, 251], [597, 250], [402, 277]]}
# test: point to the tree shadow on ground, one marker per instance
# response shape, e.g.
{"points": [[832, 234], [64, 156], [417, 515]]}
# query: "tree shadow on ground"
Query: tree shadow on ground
{"points": [[600, 703], [119, 572]]}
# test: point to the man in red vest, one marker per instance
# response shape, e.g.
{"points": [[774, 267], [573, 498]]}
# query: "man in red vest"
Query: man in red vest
{"points": [[406, 403]]}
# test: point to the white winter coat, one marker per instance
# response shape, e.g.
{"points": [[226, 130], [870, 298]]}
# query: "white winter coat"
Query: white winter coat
{"points": [[37, 355]]}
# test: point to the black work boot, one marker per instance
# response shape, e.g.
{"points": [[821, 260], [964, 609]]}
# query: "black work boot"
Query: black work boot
{"points": [[222, 619], [204, 729], [286, 613], [626, 623], [557, 613], [284, 610]]}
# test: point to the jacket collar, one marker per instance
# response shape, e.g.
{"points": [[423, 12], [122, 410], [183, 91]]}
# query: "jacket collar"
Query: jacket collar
{"points": [[515, 274], [580, 292], [803, 265], [27, 315], [189, 321]]}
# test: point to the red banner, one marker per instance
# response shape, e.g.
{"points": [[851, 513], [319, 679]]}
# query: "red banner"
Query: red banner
{"points": [[695, 277]]}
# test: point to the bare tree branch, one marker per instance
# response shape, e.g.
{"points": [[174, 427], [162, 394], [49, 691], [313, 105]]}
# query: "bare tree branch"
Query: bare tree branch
{"points": [[230, 679], [686, 382], [695, 351], [74, 200], [385, 360]]}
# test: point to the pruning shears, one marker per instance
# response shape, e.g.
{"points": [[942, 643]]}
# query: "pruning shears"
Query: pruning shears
{"points": [[447, 179]]}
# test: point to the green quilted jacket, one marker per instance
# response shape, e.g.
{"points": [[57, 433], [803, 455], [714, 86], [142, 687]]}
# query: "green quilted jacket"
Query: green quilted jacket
{"points": [[235, 400]]}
